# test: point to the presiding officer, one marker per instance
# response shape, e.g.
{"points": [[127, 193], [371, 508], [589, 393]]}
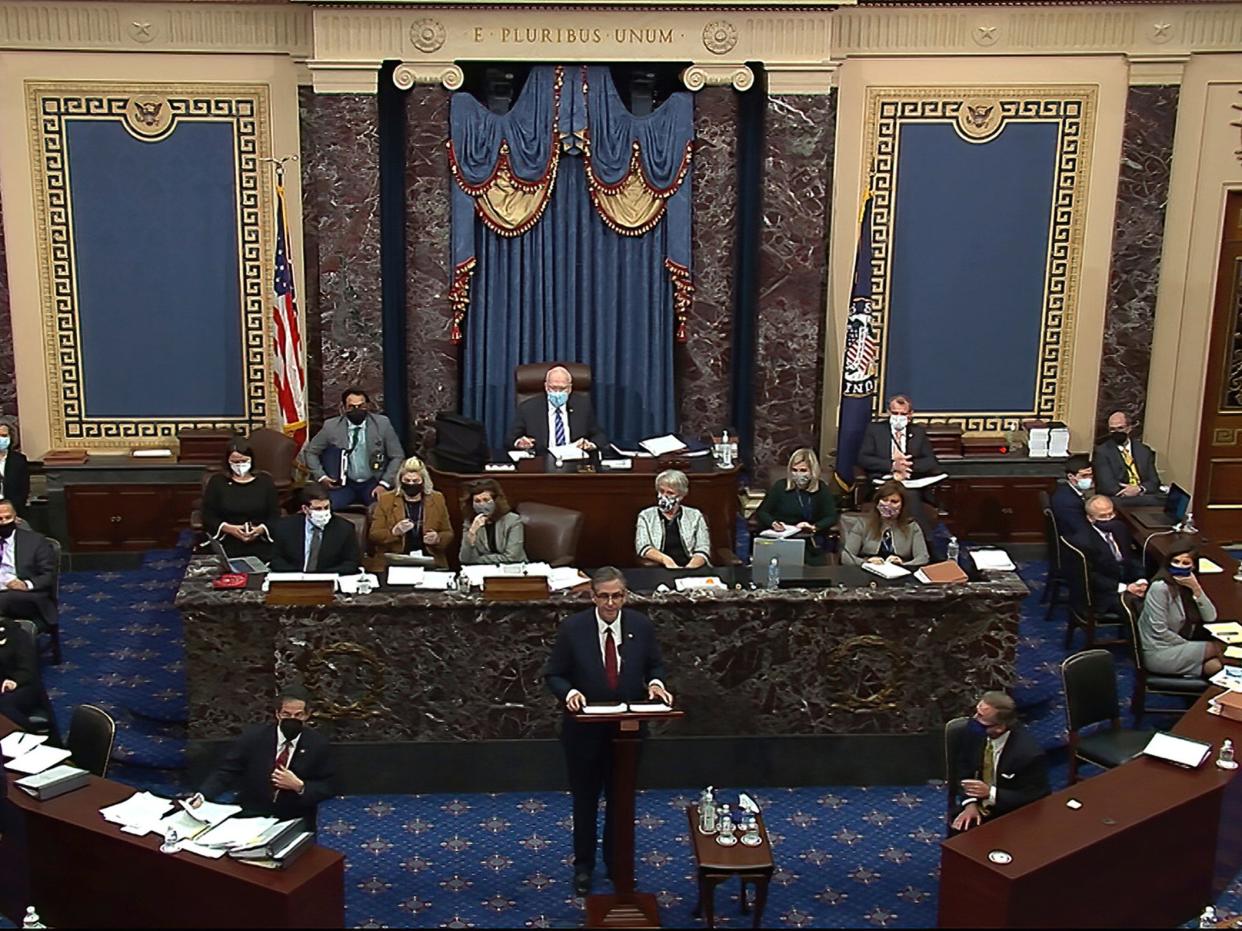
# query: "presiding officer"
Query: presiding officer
{"points": [[606, 654], [281, 769], [365, 452], [555, 419]]}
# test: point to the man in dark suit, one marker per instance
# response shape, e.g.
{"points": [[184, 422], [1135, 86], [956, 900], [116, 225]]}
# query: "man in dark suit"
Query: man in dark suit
{"points": [[315, 540], [1114, 564], [281, 769], [1067, 500], [14, 469], [27, 571], [1000, 767], [606, 654], [1125, 468], [896, 446], [558, 418]]}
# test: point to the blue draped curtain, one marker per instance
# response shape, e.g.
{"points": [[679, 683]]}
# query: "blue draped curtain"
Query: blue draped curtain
{"points": [[553, 260]]}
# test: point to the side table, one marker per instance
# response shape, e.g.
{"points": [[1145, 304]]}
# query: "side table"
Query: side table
{"points": [[715, 864]]}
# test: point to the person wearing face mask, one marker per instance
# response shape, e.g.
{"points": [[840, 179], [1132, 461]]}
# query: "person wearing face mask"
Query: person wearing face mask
{"points": [[314, 540], [282, 769], [802, 501], [241, 506], [413, 517], [671, 534], [1068, 499], [885, 534], [14, 469], [1125, 468], [356, 455], [1000, 767], [1174, 607], [27, 571], [492, 534], [1113, 562], [557, 418], [897, 446]]}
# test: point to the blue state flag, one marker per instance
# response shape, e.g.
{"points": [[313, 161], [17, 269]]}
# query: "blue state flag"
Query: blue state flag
{"points": [[860, 363]]}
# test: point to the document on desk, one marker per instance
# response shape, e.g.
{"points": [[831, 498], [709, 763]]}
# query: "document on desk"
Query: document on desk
{"points": [[616, 465], [476, 574], [235, 833], [406, 575], [785, 534], [1179, 750], [302, 577], [565, 577], [517, 455], [885, 570], [37, 760], [924, 482], [1233, 652], [348, 584], [1225, 631], [20, 742], [139, 813], [649, 707], [661, 445], [570, 452], [631, 453], [700, 583], [183, 823], [1228, 678], [210, 813], [440, 581], [617, 708], [1207, 567], [992, 560]]}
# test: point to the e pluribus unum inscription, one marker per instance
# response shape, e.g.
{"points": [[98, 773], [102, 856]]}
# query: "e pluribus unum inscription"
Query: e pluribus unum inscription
{"points": [[575, 35]]}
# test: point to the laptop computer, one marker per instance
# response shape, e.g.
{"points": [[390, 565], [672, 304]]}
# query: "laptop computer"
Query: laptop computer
{"points": [[788, 554], [1176, 504], [239, 565]]}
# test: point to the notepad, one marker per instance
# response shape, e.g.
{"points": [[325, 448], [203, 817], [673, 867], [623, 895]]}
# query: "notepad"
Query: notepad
{"points": [[567, 453], [37, 760], [406, 575], [700, 583], [885, 570], [1233, 652], [647, 707], [785, 534], [1178, 750], [618, 708], [348, 584], [20, 742], [661, 445], [1226, 631], [992, 560], [517, 455]]}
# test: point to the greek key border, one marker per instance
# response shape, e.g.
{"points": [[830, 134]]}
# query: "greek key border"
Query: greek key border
{"points": [[48, 106], [1072, 108]]}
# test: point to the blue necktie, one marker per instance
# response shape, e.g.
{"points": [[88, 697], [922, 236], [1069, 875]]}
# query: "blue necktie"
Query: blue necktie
{"points": [[560, 426]]}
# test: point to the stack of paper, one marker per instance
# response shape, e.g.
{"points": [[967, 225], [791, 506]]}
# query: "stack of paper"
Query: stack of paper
{"points": [[37, 759], [570, 452], [617, 708], [992, 560], [631, 453], [20, 742], [1058, 442], [476, 574], [1037, 443], [348, 584], [138, 814], [1228, 678], [698, 583], [662, 445], [885, 570], [436, 581], [235, 833], [209, 813], [406, 575], [565, 577], [649, 707], [517, 455], [785, 534]]}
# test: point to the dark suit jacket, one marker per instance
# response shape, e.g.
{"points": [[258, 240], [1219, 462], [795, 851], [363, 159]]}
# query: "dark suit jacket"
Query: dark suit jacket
{"points": [[1021, 771], [1103, 570], [876, 455], [34, 558], [247, 767], [532, 421], [338, 552], [576, 663], [17, 481], [17, 660], [1069, 508], [1110, 471]]}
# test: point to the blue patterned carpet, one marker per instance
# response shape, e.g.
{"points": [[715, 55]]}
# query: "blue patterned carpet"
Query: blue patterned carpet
{"points": [[846, 856]]}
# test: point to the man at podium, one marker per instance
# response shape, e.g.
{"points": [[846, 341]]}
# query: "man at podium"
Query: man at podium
{"points": [[607, 654]]}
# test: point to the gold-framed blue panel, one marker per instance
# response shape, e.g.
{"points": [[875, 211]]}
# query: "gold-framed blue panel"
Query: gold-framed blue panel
{"points": [[978, 116], [151, 114]]}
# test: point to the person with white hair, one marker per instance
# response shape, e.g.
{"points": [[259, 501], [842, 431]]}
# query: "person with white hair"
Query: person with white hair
{"points": [[669, 533], [558, 418]]}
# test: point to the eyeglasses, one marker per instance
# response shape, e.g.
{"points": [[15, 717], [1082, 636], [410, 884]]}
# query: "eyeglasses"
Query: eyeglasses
{"points": [[609, 596]]}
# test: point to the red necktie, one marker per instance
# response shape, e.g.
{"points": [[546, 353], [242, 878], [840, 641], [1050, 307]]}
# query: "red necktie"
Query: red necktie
{"points": [[610, 659], [282, 762]]}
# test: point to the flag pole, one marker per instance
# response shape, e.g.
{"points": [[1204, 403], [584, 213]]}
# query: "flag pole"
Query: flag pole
{"points": [[288, 370]]}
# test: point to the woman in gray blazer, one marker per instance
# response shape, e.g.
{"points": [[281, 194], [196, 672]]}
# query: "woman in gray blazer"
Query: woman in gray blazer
{"points": [[886, 534], [669, 534], [492, 534], [1174, 606]]}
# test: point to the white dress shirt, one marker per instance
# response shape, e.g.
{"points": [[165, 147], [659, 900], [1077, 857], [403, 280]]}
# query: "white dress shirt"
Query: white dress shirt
{"points": [[603, 627], [280, 743], [8, 562]]}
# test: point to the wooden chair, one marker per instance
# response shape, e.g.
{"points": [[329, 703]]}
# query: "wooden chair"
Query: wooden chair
{"points": [[1188, 687], [1090, 683], [1082, 609]]}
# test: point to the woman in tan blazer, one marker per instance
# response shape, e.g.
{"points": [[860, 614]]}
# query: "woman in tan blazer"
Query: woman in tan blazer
{"points": [[413, 516]]}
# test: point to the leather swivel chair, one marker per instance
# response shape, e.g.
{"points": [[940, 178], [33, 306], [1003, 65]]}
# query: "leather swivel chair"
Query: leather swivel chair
{"points": [[1090, 683], [274, 453], [92, 733], [551, 532], [1185, 687]]}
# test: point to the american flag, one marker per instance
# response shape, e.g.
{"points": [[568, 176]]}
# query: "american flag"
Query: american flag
{"points": [[287, 369], [859, 369]]}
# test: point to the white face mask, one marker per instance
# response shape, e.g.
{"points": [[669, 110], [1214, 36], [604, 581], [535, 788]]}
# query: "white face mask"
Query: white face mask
{"points": [[240, 469], [4, 442], [899, 421], [320, 518]]}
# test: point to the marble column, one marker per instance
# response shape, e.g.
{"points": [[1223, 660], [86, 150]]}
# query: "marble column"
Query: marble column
{"points": [[8, 372], [793, 267], [703, 385], [340, 182], [432, 360], [1142, 196]]}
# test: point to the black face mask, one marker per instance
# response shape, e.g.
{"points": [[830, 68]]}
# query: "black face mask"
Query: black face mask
{"points": [[356, 417], [412, 489], [6, 530], [1119, 437], [290, 728], [1108, 526]]}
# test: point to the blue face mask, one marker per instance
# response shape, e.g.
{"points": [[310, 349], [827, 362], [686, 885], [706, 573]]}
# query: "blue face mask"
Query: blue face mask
{"points": [[558, 398], [4, 442], [976, 728], [1181, 572]]}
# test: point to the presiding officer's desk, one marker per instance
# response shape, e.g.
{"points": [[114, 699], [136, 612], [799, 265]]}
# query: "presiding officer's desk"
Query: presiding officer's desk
{"points": [[79, 871], [609, 501], [406, 665]]}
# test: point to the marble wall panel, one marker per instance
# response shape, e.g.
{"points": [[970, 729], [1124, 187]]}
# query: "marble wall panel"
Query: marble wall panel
{"points": [[793, 268], [432, 358], [340, 179], [1142, 196], [703, 384], [8, 374]]}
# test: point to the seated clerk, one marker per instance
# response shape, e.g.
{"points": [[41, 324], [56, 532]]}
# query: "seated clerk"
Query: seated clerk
{"points": [[27, 571], [800, 500], [282, 769], [492, 534], [558, 417], [241, 506], [1125, 468], [1068, 500], [1001, 767], [314, 540], [1114, 564], [671, 534], [413, 516], [886, 534]]}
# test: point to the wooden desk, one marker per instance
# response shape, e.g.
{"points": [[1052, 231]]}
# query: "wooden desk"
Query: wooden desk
{"points": [[1151, 846], [609, 501], [716, 864], [80, 871]]}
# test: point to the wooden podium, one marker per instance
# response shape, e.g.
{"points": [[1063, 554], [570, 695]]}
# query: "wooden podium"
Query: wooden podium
{"points": [[624, 908]]}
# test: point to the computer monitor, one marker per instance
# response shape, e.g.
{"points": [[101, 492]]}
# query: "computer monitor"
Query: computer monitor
{"points": [[1177, 503]]}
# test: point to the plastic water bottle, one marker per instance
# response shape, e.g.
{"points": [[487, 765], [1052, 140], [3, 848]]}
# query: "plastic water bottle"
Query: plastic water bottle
{"points": [[1226, 760], [1208, 918], [1188, 525], [31, 919], [707, 812], [774, 574], [953, 550], [724, 820]]}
